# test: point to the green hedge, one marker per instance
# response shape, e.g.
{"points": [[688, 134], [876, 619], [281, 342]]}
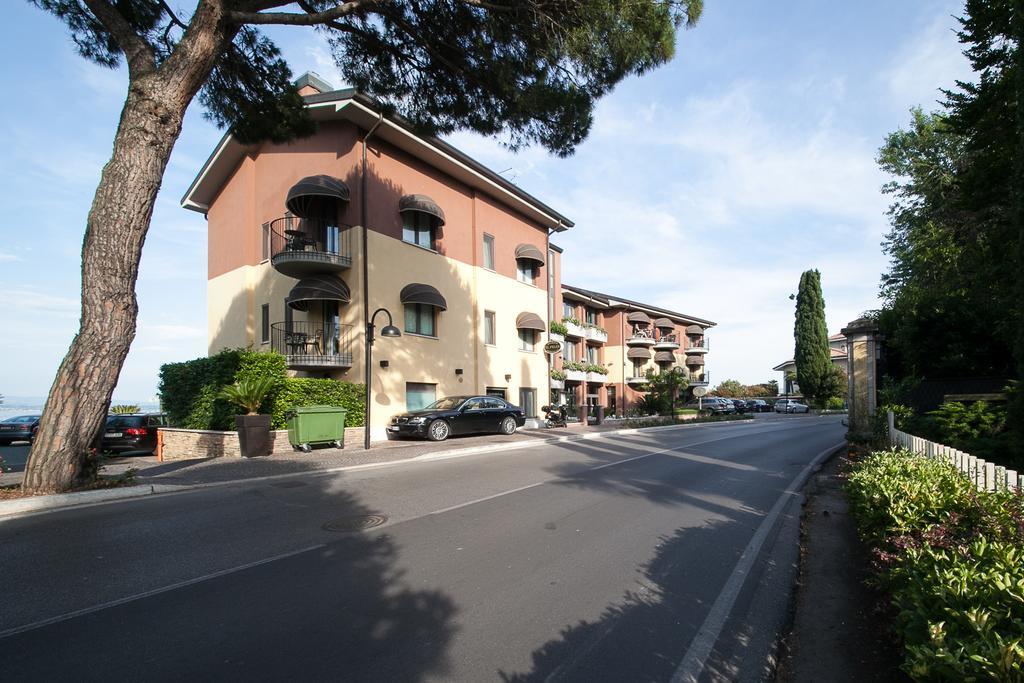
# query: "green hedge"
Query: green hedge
{"points": [[952, 559], [309, 391], [189, 391]]}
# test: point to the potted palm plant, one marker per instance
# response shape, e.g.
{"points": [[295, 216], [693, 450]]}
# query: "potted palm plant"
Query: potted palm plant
{"points": [[253, 428]]}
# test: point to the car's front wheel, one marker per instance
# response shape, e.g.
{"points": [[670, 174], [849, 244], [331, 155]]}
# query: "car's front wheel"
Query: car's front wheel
{"points": [[439, 430], [508, 425]]}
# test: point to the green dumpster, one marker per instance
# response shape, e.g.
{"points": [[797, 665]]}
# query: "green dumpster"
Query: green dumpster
{"points": [[309, 425]]}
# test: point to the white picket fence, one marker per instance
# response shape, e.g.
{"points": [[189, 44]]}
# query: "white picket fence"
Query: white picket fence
{"points": [[987, 476]]}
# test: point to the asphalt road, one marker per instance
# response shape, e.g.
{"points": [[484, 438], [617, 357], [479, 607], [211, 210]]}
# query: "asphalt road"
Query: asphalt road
{"points": [[647, 557]]}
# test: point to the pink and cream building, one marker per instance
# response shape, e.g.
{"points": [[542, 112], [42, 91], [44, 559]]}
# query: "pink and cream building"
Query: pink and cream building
{"points": [[307, 239]]}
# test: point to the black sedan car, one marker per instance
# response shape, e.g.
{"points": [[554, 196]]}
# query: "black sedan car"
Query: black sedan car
{"points": [[132, 433], [20, 428], [458, 415]]}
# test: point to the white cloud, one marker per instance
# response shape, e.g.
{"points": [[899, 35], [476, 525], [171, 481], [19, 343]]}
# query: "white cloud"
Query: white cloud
{"points": [[8, 257], [323, 64], [931, 60]]}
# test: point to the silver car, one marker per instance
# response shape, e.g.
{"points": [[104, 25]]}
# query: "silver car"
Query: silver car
{"points": [[789, 405]]}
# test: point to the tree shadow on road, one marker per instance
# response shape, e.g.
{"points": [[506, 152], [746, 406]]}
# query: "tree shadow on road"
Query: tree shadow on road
{"points": [[642, 637], [340, 609]]}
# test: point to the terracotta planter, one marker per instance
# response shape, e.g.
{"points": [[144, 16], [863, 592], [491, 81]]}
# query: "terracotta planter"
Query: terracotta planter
{"points": [[253, 434]]}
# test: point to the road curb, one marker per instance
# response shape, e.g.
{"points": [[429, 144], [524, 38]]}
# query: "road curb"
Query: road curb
{"points": [[54, 501], [58, 501]]}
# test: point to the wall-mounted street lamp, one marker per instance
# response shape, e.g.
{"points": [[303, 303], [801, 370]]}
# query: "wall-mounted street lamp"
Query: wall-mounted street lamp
{"points": [[388, 330]]}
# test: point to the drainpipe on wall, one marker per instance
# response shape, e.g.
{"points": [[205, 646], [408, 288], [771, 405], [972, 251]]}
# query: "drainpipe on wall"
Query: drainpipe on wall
{"points": [[366, 284]]}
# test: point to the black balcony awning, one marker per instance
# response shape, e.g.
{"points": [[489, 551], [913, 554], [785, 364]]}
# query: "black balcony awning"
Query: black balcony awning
{"points": [[664, 324], [695, 360], [639, 353], [316, 196], [530, 321], [638, 318], [318, 288], [421, 203], [530, 253], [694, 329], [664, 357], [419, 293]]}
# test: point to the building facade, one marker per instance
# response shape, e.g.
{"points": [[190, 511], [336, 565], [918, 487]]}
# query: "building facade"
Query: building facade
{"points": [[367, 222], [611, 343]]}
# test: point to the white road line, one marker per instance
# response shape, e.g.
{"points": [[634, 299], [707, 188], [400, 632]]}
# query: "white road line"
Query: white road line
{"points": [[700, 648], [156, 591], [554, 479]]}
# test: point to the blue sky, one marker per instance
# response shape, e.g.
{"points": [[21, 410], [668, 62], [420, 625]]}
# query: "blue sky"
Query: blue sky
{"points": [[706, 186]]}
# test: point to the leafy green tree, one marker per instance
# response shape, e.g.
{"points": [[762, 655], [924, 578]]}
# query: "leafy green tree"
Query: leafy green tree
{"points": [[730, 388], [664, 387], [812, 356], [529, 70], [833, 385]]}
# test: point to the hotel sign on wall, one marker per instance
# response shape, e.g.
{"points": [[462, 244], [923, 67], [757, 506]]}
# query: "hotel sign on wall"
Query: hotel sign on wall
{"points": [[552, 347]]}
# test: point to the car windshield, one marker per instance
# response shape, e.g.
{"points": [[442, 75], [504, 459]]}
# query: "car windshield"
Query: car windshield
{"points": [[123, 422], [446, 403]]}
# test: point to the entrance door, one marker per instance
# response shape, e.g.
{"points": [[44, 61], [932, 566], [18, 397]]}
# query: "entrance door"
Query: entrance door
{"points": [[332, 327], [611, 401], [528, 402]]}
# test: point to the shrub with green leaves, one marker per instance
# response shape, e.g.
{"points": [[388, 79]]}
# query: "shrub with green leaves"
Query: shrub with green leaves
{"points": [[311, 391], [558, 328], [249, 393], [124, 409], [953, 561]]}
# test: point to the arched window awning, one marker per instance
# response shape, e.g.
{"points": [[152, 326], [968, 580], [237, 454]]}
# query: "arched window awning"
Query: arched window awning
{"points": [[318, 288], [421, 203], [664, 357], [664, 324], [694, 329], [530, 321], [639, 353], [695, 360], [530, 253], [638, 318], [316, 196], [419, 293]]}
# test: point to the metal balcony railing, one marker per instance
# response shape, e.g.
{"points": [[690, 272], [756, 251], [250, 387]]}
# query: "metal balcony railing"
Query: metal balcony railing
{"points": [[308, 246], [697, 346], [313, 344]]}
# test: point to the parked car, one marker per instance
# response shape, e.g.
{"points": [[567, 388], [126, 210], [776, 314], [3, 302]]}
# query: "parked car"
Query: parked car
{"points": [[133, 433], [790, 405], [758, 405], [458, 415], [717, 406], [19, 428], [741, 406]]}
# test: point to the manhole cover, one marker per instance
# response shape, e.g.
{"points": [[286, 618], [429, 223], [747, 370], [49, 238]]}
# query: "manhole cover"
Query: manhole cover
{"points": [[355, 523], [288, 484]]}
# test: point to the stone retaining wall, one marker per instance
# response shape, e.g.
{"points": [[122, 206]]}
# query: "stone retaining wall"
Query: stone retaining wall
{"points": [[188, 444]]}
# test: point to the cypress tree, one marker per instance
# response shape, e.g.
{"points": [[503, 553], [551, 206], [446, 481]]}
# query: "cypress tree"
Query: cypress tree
{"points": [[812, 356]]}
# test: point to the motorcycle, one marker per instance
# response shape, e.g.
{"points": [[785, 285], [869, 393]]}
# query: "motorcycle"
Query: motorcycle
{"points": [[555, 416]]}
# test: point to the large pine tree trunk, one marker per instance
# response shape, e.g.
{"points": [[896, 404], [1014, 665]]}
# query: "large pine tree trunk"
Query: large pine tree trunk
{"points": [[150, 124]]}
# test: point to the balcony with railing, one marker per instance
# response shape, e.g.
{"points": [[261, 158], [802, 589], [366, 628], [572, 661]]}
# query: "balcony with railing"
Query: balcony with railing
{"points": [[574, 329], [595, 334], [699, 379], [300, 247], [313, 345], [642, 336], [697, 346], [667, 342]]}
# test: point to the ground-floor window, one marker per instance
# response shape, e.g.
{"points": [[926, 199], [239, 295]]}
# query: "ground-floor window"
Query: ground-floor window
{"points": [[527, 340], [528, 401], [500, 392], [419, 395]]}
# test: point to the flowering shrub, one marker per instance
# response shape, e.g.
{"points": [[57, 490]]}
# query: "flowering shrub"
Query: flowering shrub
{"points": [[952, 559]]}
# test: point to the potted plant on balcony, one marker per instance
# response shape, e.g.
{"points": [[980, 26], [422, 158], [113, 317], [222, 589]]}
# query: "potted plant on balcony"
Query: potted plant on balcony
{"points": [[253, 428], [558, 328]]}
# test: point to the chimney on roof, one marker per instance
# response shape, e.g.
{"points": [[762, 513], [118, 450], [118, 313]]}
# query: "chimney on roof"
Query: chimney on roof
{"points": [[310, 83]]}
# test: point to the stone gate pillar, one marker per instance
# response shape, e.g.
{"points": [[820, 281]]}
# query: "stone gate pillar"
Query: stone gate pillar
{"points": [[862, 354]]}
